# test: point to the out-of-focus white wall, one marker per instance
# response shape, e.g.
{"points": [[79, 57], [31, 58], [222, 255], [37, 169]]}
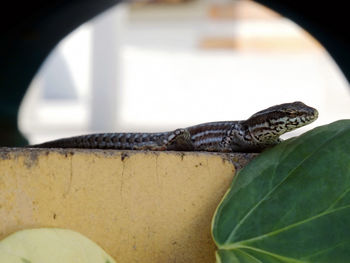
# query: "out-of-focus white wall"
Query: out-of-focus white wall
{"points": [[160, 67]]}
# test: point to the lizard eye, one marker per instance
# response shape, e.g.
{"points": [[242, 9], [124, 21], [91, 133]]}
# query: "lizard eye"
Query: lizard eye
{"points": [[290, 113]]}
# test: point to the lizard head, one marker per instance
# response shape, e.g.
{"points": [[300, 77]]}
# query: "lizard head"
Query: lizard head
{"points": [[267, 125]]}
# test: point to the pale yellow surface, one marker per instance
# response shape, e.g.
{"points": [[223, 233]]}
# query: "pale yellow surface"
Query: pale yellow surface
{"points": [[138, 206], [43, 245]]}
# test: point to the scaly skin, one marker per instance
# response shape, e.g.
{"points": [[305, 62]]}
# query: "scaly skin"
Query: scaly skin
{"points": [[260, 131]]}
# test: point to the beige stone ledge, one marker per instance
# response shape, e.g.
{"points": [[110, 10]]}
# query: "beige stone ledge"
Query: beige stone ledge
{"points": [[138, 206]]}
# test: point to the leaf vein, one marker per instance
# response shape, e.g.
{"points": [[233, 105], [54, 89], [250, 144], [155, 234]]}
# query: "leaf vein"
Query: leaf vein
{"points": [[325, 250], [249, 255], [282, 258], [339, 198]]}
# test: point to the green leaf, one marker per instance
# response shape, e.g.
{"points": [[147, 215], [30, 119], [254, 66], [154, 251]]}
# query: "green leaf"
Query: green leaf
{"points": [[291, 203]]}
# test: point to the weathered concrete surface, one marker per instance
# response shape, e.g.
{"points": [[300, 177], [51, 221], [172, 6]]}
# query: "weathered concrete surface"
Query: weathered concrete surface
{"points": [[138, 206]]}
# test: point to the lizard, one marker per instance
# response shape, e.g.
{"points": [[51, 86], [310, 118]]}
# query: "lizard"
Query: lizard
{"points": [[262, 130]]}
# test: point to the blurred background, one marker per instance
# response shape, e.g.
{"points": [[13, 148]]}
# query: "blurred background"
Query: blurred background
{"points": [[147, 66]]}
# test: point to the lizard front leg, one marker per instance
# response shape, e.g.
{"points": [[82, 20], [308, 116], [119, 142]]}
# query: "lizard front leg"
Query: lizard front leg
{"points": [[237, 139]]}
